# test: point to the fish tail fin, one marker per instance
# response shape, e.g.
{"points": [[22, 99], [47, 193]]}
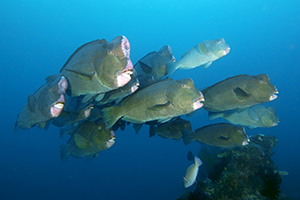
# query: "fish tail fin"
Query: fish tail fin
{"points": [[172, 66], [198, 162], [214, 115], [69, 129], [111, 115], [64, 152], [187, 136]]}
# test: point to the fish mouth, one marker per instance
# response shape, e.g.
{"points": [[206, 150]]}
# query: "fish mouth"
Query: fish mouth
{"points": [[227, 50], [274, 96], [88, 110], [198, 103], [56, 108], [246, 142], [124, 75], [111, 140], [275, 123], [135, 87]]}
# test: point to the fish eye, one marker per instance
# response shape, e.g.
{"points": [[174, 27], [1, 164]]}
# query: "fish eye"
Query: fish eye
{"points": [[185, 86]]}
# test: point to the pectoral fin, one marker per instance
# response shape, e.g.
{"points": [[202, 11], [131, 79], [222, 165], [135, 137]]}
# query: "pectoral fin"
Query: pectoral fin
{"points": [[223, 138], [31, 103], [159, 107], [203, 49], [99, 97], [87, 97], [253, 115], [146, 68], [81, 141], [241, 94], [206, 65]]}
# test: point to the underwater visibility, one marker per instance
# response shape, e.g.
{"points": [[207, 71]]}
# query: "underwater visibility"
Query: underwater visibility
{"points": [[160, 103], [150, 100]]}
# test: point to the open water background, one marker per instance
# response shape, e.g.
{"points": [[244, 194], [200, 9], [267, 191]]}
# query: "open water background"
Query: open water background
{"points": [[37, 37]]}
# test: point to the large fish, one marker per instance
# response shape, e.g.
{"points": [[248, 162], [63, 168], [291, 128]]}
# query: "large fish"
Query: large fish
{"points": [[191, 173], [171, 129], [118, 94], [202, 54], [160, 101], [74, 117], [239, 92], [252, 117], [154, 64], [45, 104], [220, 135], [87, 139], [98, 67]]}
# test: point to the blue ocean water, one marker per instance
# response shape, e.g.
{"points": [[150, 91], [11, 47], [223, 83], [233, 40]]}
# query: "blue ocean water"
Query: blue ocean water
{"points": [[37, 37]]}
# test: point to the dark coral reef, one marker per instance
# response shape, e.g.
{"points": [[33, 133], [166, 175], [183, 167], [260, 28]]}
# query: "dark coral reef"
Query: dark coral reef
{"points": [[246, 172]]}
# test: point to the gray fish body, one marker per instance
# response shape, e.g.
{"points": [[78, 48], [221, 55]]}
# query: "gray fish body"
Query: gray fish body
{"points": [[220, 135], [201, 55], [160, 101], [154, 64], [240, 92], [98, 67], [72, 117], [120, 93], [87, 139], [172, 129], [252, 117], [45, 104]]}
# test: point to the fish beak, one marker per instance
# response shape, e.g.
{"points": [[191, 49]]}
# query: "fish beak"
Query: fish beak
{"points": [[198, 102], [56, 109], [246, 142], [227, 50], [111, 140], [273, 96], [135, 87]]}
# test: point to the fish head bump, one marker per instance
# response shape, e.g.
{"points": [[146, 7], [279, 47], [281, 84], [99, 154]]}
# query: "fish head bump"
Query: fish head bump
{"points": [[261, 89], [186, 96], [116, 66], [217, 47]]}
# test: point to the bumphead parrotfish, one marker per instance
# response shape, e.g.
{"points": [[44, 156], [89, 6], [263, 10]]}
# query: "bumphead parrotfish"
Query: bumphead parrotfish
{"points": [[171, 129], [154, 64], [160, 101], [87, 139], [68, 117], [98, 67], [118, 94], [201, 55], [220, 135], [46, 103], [239, 92], [252, 117]]}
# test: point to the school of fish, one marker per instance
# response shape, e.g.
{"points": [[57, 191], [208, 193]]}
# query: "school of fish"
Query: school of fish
{"points": [[98, 90]]}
